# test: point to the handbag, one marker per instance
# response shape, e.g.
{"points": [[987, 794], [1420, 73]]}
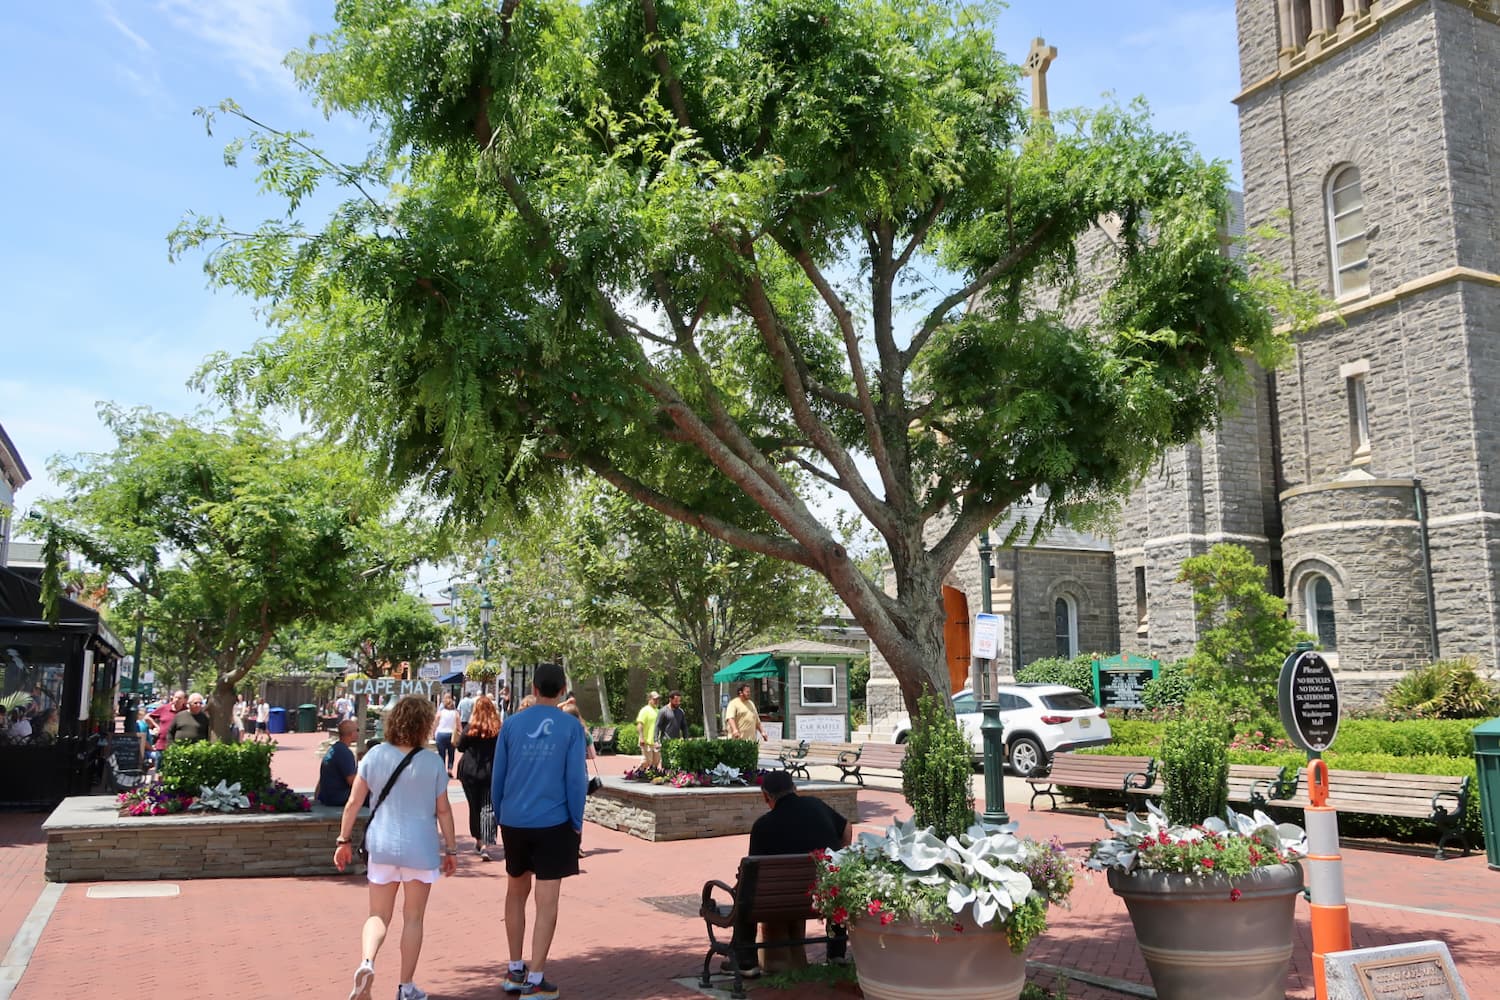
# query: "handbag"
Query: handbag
{"points": [[487, 825], [361, 851], [595, 782]]}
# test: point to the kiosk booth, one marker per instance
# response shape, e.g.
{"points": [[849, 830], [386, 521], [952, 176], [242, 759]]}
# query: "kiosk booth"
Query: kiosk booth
{"points": [[801, 688]]}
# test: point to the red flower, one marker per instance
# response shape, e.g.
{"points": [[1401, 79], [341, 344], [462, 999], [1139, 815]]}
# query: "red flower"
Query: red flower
{"points": [[840, 915], [1234, 895], [958, 927], [833, 892], [1207, 862], [874, 907], [886, 917]]}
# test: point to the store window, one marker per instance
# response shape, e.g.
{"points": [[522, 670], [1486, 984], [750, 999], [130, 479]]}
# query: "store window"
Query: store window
{"points": [[31, 695], [818, 686]]}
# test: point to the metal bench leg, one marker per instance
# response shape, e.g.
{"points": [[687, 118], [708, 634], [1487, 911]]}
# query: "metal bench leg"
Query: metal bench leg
{"points": [[1450, 827], [1037, 792]]}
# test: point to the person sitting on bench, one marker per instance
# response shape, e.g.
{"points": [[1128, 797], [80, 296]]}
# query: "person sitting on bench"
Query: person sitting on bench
{"points": [[794, 825]]}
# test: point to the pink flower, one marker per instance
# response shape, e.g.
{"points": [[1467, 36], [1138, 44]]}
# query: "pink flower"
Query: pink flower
{"points": [[874, 907], [886, 917], [840, 915], [1234, 895]]}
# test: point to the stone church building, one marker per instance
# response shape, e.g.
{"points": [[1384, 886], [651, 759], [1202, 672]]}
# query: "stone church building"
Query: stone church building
{"points": [[1365, 474]]}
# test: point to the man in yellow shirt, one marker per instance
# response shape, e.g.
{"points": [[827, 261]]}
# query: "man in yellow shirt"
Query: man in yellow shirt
{"points": [[741, 717], [645, 724]]}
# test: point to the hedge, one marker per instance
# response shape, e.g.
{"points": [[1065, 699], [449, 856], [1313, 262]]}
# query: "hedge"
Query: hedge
{"points": [[185, 767], [1407, 738], [627, 739], [1075, 673], [705, 755]]}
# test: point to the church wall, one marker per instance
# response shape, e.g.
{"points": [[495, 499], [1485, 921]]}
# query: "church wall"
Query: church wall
{"points": [[1258, 39], [1045, 574], [1469, 61]]}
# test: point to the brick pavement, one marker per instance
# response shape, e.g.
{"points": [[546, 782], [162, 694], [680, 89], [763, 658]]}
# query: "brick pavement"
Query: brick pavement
{"points": [[297, 937]]}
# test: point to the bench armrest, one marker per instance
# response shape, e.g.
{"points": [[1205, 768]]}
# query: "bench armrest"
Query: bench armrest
{"points": [[849, 756], [710, 909], [1460, 799], [1137, 779]]}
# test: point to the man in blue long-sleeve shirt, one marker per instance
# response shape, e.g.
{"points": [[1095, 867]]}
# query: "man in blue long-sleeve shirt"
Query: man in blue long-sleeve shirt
{"points": [[538, 787]]}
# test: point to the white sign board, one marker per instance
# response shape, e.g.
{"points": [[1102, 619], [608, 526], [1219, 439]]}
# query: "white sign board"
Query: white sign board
{"points": [[821, 728], [773, 731], [430, 671], [988, 636], [385, 687]]}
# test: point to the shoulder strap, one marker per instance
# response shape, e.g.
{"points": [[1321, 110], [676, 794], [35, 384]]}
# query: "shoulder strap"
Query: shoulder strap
{"points": [[394, 775]]}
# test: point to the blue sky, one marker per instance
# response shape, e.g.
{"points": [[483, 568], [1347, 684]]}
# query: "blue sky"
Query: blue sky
{"points": [[103, 156]]}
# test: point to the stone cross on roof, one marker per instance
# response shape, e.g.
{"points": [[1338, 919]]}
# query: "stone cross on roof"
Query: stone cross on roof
{"points": [[1035, 66]]}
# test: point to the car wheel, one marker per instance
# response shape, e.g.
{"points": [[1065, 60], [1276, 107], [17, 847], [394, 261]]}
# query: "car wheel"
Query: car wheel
{"points": [[1026, 756]]}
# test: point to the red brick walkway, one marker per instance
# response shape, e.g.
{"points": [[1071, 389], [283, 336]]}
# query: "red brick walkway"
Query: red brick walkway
{"points": [[298, 937]]}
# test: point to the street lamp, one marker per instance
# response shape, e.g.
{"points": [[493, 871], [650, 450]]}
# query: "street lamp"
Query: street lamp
{"points": [[991, 729], [486, 609]]}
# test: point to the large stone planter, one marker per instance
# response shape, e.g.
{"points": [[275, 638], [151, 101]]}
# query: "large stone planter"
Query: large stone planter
{"points": [[1198, 942], [904, 961], [661, 812]]}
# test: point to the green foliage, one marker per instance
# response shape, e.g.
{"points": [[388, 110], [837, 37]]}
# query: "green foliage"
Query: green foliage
{"points": [[1406, 738], [1075, 673], [1170, 688], [1243, 632], [937, 771], [859, 679], [628, 739], [705, 755], [402, 629], [1447, 689], [1195, 766], [185, 767], [579, 244]]}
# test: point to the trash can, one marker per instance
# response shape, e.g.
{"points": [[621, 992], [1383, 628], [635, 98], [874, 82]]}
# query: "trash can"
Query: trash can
{"points": [[307, 718], [277, 722], [1487, 763]]}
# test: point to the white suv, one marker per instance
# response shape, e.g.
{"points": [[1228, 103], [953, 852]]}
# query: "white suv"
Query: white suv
{"points": [[1039, 719]]}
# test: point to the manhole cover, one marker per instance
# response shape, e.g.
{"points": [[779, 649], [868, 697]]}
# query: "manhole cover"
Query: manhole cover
{"points": [[681, 906], [132, 890]]}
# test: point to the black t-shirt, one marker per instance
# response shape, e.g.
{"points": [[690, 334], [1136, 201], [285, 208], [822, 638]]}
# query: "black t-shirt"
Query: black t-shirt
{"points": [[189, 727], [671, 724], [797, 825]]}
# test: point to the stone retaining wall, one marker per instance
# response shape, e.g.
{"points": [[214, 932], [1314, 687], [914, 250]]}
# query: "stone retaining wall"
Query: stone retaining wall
{"points": [[658, 812], [88, 842]]}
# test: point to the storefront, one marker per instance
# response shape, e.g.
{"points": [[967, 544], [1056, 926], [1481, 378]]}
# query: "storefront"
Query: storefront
{"points": [[800, 687], [58, 684]]}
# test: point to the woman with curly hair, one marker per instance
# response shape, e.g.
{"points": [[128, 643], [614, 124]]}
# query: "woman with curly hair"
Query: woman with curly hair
{"points": [[409, 838], [477, 744]]}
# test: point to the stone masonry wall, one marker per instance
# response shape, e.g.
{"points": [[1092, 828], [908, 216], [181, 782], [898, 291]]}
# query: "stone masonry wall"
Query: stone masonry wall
{"points": [[86, 842], [655, 813]]}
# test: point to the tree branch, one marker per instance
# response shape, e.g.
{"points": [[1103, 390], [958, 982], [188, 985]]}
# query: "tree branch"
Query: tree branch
{"points": [[663, 65]]}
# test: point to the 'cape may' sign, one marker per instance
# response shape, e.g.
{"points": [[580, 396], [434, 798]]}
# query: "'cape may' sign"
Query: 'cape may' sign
{"points": [[1309, 700]]}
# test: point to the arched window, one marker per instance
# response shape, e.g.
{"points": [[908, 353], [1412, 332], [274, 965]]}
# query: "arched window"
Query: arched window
{"points": [[1065, 619], [1348, 254], [1318, 593]]}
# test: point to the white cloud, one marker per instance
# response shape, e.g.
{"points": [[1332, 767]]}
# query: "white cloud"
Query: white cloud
{"points": [[255, 35], [118, 23]]}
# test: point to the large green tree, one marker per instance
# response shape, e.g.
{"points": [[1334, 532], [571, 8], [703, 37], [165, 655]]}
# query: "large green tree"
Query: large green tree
{"points": [[770, 239], [403, 629], [224, 535]]}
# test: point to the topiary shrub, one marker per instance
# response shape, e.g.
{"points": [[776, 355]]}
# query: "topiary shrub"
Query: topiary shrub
{"points": [[1195, 765], [937, 772], [705, 755], [186, 767], [1447, 689], [627, 739], [1075, 673]]}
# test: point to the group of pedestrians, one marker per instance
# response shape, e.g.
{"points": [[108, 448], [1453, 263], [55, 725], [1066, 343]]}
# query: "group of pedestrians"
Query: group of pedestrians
{"points": [[532, 774]]}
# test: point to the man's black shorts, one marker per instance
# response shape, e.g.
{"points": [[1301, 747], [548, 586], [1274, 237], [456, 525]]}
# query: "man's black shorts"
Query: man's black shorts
{"points": [[549, 852]]}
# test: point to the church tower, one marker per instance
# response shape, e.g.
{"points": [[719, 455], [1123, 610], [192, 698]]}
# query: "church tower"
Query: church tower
{"points": [[1370, 133]]}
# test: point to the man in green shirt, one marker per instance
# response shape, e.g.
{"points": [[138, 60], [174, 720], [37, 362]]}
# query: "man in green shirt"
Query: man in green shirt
{"points": [[645, 724]]}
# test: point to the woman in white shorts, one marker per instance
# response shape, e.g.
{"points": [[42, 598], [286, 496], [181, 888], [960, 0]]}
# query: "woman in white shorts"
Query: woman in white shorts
{"points": [[410, 838]]}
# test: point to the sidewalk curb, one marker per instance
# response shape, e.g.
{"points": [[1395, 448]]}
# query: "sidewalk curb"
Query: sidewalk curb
{"points": [[13, 966]]}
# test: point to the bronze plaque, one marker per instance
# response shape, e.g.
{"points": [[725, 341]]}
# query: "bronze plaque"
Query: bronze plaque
{"points": [[1411, 977]]}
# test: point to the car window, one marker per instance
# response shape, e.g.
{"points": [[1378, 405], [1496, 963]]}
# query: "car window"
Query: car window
{"points": [[1068, 701], [965, 703], [1012, 703]]}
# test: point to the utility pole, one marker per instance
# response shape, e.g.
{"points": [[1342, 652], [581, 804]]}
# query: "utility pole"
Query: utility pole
{"points": [[991, 729]]}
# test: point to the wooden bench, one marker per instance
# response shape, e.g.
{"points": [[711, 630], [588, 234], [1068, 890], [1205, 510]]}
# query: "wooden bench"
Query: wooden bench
{"points": [[769, 888], [1258, 784], [789, 757], [1127, 775], [605, 738], [826, 754], [1439, 798], [877, 756]]}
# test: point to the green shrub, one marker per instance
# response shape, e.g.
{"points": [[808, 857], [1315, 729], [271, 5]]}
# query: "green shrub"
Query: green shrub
{"points": [[1075, 673], [1406, 738], [1195, 765], [1133, 732], [186, 767], [937, 772], [1169, 688], [1447, 689], [705, 755], [627, 739]]}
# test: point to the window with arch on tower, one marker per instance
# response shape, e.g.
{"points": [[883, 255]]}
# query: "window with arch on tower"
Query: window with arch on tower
{"points": [[1348, 250], [1065, 626], [1317, 592]]}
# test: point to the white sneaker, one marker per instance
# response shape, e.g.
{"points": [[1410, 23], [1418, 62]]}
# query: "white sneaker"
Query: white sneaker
{"points": [[410, 992], [364, 978]]}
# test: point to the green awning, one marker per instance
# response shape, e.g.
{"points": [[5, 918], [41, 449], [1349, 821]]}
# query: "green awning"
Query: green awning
{"points": [[748, 666]]}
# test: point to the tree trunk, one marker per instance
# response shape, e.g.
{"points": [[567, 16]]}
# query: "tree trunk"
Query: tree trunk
{"points": [[221, 708], [920, 663], [707, 667]]}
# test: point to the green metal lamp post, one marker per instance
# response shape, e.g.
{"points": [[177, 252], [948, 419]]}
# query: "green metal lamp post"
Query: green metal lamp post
{"points": [[991, 729], [486, 608]]}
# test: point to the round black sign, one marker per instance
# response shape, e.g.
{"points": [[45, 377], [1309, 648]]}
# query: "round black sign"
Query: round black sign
{"points": [[1309, 700]]}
